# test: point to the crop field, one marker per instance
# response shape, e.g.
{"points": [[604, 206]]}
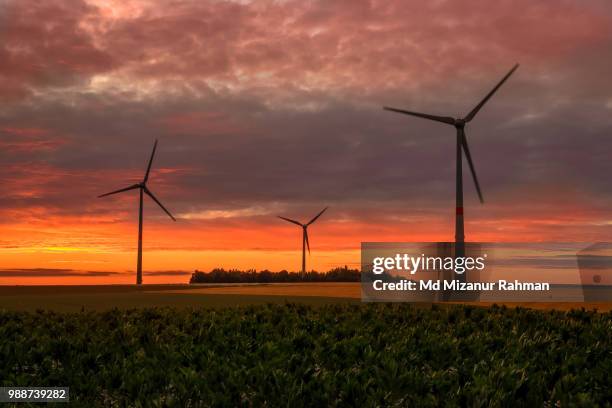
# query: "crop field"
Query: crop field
{"points": [[349, 290], [106, 297], [300, 355]]}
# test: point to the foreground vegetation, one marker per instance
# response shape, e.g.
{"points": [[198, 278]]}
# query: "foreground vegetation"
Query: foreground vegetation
{"points": [[296, 355], [220, 275]]}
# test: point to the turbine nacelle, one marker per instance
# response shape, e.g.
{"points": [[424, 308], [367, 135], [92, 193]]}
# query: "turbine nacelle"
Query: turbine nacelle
{"points": [[460, 123]]}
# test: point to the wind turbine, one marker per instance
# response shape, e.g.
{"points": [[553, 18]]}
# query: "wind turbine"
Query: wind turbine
{"points": [[305, 243], [459, 124], [142, 187]]}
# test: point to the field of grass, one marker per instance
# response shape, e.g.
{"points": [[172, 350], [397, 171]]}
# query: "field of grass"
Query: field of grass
{"points": [[299, 355], [106, 297], [77, 298], [350, 290]]}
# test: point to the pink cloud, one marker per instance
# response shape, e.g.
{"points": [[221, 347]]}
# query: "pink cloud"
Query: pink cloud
{"points": [[25, 131], [29, 139], [44, 45], [200, 123], [358, 46]]}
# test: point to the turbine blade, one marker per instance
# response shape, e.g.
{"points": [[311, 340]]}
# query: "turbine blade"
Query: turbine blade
{"points": [[306, 238], [474, 111], [317, 216], [120, 190], [150, 194], [146, 177], [290, 220], [443, 119], [466, 149]]}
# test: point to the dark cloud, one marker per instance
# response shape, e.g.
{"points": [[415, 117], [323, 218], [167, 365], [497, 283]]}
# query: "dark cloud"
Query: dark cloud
{"points": [[58, 272], [50, 272], [277, 105]]}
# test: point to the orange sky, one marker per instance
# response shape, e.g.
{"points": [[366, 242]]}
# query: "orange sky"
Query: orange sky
{"points": [[84, 245]]}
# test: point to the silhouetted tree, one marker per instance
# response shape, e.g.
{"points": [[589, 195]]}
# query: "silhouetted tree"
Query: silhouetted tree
{"points": [[220, 275]]}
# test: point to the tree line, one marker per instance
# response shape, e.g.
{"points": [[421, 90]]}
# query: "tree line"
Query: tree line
{"points": [[220, 275]]}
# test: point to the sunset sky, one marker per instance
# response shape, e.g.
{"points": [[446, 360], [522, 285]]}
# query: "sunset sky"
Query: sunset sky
{"points": [[269, 108]]}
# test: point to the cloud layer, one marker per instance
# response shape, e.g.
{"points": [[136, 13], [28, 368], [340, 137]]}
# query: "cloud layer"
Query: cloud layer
{"points": [[274, 107]]}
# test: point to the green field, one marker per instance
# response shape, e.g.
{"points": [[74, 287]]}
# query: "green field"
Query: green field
{"points": [[106, 297], [77, 298], [198, 345], [300, 355]]}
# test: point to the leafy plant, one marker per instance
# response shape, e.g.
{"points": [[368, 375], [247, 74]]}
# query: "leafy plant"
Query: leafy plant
{"points": [[295, 355]]}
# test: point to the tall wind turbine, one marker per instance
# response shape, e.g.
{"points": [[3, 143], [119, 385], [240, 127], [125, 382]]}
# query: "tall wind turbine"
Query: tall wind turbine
{"points": [[459, 124], [142, 187], [305, 243]]}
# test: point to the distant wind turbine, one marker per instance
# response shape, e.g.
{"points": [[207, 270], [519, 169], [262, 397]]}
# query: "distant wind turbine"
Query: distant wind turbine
{"points": [[305, 243], [142, 186], [459, 124]]}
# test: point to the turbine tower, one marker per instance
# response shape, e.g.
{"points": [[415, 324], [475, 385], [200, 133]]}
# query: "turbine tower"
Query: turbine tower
{"points": [[305, 243], [142, 187], [459, 124]]}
